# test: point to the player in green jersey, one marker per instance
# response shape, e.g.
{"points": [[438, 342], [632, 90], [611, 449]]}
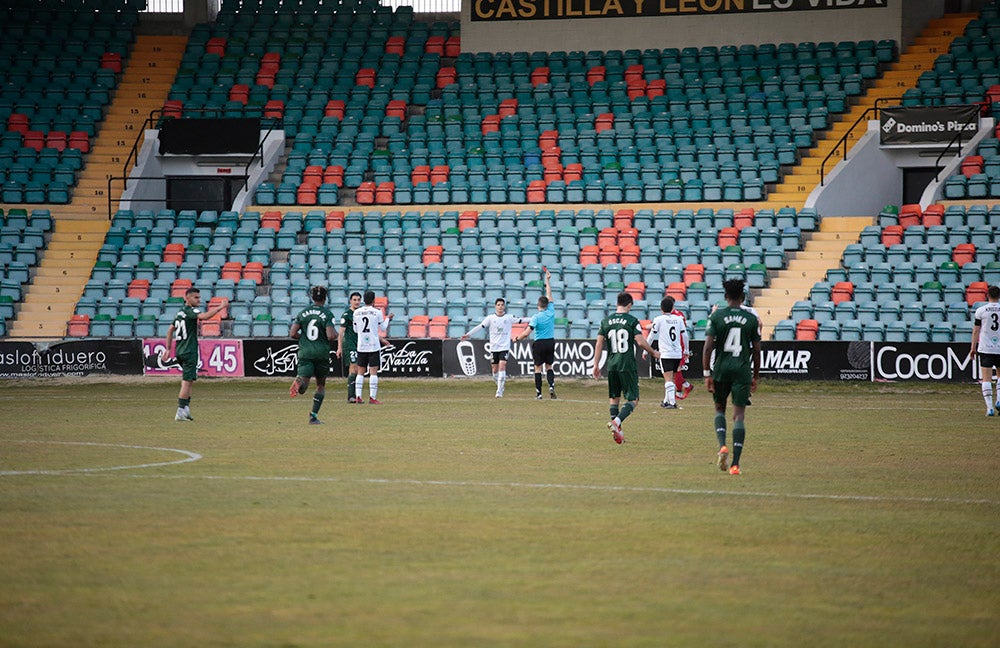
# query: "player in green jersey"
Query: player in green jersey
{"points": [[313, 328], [347, 345], [734, 335], [184, 331], [623, 334]]}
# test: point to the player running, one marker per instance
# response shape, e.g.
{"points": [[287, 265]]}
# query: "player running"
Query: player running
{"points": [[313, 328], [623, 333], [736, 370]]}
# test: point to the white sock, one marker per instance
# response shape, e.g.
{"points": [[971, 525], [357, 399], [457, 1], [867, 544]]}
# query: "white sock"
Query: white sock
{"points": [[496, 379], [359, 385], [988, 393], [373, 387], [670, 393], [501, 380]]}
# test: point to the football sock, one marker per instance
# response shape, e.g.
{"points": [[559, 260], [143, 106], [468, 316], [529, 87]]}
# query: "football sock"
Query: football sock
{"points": [[669, 393], [550, 376], [183, 402], [538, 382], [614, 411], [373, 387], [720, 428], [739, 434], [988, 393], [317, 402], [496, 378], [350, 385], [359, 385], [626, 410], [501, 379]]}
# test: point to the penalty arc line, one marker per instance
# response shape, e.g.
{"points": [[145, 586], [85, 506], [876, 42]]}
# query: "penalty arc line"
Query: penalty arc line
{"points": [[189, 456]]}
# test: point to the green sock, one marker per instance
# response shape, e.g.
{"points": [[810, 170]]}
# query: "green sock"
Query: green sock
{"points": [[626, 410], [614, 410], [317, 402], [720, 428], [350, 386], [739, 434], [183, 402]]}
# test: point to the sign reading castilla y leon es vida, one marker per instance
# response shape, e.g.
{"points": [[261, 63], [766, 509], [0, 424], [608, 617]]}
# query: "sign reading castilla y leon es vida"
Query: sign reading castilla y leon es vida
{"points": [[492, 10]]}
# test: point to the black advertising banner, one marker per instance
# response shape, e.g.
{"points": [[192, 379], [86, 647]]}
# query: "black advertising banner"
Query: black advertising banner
{"points": [[574, 358], [237, 135], [894, 361], [70, 358], [411, 358], [270, 357], [498, 10], [927, 124]]}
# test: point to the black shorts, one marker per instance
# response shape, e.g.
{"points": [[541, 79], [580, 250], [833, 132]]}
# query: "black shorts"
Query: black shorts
{"points": [[670, 364], [500, 356], [989, 360], [369, 359], [543, 352]]}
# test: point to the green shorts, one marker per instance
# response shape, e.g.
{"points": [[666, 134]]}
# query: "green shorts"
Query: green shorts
{"points": [[349, 358], [739, 390], [189, 366], [309, 368], [623, 383]]}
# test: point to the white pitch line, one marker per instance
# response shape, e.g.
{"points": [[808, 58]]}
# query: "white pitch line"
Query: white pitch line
{"points": [[580, 487], [190, 456]]}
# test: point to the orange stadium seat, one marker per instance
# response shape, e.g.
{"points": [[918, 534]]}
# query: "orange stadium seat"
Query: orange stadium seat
{"points": [[78, 326], [417, 327], [438, 327]]}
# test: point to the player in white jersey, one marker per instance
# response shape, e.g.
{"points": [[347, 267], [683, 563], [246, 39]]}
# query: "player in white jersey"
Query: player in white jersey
{"points": [[371, 326], [499, 325], [669, 331], [986, 343]]}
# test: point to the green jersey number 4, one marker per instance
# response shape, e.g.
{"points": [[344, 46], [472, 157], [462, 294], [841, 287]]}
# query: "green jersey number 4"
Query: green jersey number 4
{"points": [[733, 344]]}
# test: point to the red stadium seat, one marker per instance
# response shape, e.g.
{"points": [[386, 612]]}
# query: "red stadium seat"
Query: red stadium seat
{"points": [[78, 326], [806, 329]]}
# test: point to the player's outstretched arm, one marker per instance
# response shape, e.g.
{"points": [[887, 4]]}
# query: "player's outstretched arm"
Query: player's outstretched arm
{"points": [[214, 311]]}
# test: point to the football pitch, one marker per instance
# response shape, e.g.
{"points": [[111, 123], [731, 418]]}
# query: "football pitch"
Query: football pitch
{"points": [[866, 515]]}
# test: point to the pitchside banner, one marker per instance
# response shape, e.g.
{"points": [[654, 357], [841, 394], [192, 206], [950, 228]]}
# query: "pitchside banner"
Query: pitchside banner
{"points": [[892, 361], [215, 358], [574, 358], [497, 10], [407, 358], [927, 124], [70, 358]]}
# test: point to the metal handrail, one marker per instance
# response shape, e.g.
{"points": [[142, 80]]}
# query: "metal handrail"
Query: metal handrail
{"points": [[154, 117], [956, 138], [843, 140]]}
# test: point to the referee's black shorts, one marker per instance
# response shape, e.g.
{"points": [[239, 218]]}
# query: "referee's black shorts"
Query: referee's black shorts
{"points": [[543, 352]]}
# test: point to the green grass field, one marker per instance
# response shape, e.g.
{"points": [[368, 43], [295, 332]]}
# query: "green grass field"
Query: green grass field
{"points": [[866, 515]]}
